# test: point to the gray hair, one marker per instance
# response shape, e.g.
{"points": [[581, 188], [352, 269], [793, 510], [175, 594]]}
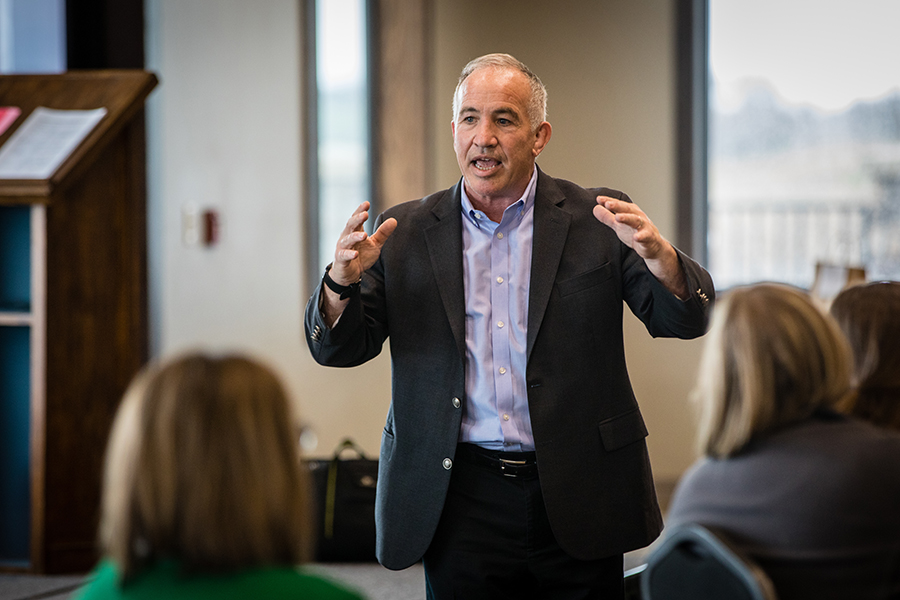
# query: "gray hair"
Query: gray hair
{"points": [[537, 104]]}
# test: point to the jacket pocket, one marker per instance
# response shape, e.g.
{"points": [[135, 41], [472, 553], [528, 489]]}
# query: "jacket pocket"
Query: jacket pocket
{"points": [[622, 430], [585, 280]]}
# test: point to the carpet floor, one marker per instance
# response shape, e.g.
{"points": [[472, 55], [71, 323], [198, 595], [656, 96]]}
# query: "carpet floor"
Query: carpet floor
{"points": [[372, 580]]}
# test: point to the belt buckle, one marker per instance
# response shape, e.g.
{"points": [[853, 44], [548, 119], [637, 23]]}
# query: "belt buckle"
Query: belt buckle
{"points": [[513, 466]]}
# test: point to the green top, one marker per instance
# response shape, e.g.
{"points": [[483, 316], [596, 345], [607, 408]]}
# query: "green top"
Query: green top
{"points": [[165, 581]]}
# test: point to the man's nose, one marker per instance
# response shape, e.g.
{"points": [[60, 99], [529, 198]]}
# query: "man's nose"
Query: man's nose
{"points": [[485, 135]]}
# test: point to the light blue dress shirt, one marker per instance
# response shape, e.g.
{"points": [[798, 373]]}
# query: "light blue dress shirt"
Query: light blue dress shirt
{"points": [[496, 276]]}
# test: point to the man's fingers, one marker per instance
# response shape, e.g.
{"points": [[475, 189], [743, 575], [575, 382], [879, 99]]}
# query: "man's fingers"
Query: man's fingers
{"points": [[604, 215], [632, 226], [364, 206], [632, 220], [384, 231], [611, 212], [355, 222], [360, 215], [609, 203], [351, 239], [616, 206], [379, 237], [347, 254]]}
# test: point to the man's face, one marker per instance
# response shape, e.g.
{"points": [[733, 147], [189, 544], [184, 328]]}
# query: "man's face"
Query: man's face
{"points": [[492, 135]]}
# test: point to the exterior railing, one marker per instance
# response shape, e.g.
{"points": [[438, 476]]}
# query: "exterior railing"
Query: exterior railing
{"points": [[764, 241]]}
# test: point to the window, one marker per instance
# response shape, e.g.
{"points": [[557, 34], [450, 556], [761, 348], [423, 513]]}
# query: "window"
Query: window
{"points": [[339, 124], [802, 146], [32, 36]]}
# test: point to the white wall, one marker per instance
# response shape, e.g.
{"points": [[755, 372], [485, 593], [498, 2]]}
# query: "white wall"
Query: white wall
{"points": [[225, 132]]}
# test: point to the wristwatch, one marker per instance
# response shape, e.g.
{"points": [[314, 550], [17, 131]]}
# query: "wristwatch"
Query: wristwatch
{"points": [[343, 291]]}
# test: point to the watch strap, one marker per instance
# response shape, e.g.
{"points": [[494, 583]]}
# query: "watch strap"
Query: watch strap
{"points": [[343, 291]]}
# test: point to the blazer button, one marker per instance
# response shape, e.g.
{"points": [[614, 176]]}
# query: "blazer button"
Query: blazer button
{"points": [[447, 463], [456, 403]]}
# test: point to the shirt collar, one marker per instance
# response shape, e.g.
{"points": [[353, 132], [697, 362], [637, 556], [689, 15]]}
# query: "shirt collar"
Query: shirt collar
{"points": [[523, 203]]}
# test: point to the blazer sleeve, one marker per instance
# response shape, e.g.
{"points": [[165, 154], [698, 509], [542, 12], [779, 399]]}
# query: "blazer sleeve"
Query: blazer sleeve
{"points": [[663, 313]]}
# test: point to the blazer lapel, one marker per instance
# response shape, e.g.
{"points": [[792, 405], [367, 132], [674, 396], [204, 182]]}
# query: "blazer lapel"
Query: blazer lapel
{"points": [[551, 226], [444, 242]]}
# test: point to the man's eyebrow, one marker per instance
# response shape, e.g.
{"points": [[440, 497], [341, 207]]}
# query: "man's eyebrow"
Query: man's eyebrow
{"points": [[507, 110]]}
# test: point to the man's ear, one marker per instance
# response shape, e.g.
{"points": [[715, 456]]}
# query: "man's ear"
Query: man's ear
{"points": [[541, 137]]}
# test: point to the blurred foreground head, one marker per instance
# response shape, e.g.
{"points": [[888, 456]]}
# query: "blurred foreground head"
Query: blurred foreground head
{"points": [[772, 358], [202, 467], [869, 315]]}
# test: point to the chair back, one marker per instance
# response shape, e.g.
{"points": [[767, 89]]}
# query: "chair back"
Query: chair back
{"points": [[697, 563]]}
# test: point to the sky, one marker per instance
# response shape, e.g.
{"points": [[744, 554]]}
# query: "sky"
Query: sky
{"points": [[341, 43], [825, 53]]}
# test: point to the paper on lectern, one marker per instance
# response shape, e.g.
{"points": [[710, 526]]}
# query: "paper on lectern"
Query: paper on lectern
{"points": [[44, 141]]}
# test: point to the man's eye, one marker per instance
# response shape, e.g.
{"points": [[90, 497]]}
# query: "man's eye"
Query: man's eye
{"points": [[504, 121], [469, 120]]}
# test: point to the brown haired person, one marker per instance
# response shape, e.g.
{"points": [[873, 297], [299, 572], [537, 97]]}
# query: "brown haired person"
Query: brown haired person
{"points": [[204, 495], [869, 315], [810, 494]]}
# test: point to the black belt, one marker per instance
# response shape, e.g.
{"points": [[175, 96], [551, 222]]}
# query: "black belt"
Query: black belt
{"points": [[510, 464]]}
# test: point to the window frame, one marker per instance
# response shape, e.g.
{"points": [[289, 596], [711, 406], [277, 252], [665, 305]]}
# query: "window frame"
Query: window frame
{"points": [[692, 126], [312, 258]]}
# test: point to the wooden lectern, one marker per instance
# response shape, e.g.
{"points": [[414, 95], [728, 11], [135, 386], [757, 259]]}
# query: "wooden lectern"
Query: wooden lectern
{"points": [[73, 316]]}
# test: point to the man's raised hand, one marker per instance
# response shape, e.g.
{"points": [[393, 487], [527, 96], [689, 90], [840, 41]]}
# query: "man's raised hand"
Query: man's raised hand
{"points": [[637, 231], [356, 251]]}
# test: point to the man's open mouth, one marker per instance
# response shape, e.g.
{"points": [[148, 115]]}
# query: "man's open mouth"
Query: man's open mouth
{"points": [[485, 164]]}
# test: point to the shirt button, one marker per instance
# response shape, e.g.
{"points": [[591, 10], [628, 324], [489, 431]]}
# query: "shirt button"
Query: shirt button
{"points": [[502, 370], [447, 463], [499, 323], [456, 403], [499, 280], [506, 417], [500, 236]]}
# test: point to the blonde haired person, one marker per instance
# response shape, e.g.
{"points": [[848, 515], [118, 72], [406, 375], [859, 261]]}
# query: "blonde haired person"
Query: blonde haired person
{"points": [[812, 495], [203, 494], [869, 315]]}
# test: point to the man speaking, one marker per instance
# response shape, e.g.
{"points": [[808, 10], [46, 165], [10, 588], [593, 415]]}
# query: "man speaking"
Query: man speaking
{"points": [[513, 459]]}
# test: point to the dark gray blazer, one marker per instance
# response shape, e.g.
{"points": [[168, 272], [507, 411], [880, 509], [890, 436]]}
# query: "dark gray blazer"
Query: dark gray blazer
{"points": [[588, 431]]}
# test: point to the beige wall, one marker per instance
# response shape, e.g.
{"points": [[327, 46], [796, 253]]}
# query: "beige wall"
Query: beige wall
{"points": [[225, 132], [609, 70]]}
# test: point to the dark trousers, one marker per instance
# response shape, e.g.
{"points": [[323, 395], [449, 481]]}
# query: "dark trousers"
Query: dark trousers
{"points": [[494, 542]]}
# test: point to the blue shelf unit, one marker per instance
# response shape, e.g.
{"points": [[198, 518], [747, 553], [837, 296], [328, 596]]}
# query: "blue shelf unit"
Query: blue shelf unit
{"points": [[15, 385]]}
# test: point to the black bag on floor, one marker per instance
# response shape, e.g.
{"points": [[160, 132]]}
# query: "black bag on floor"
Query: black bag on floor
{"points": [[344, 494]]}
